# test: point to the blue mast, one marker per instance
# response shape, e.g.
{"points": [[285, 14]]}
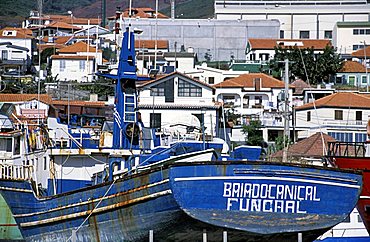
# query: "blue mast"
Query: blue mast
{"points": [[125, 131]]}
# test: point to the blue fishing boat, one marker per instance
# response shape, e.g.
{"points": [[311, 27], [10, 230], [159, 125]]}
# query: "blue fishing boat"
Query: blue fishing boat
{"points": [[180, 194]]}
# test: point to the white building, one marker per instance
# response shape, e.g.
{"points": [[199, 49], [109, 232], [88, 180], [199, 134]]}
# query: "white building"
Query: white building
{"points": [[311, 19], [76, 62], [351, 36], [255, 96], [211, 75], [264, 49], [176, 100], [16, 47], [342, 115]]}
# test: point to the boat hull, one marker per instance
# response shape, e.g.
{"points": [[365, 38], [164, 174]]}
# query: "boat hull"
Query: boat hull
{"points": [[179, 206]]}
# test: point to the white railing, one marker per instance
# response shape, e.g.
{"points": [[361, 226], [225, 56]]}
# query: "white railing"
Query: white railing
{"points": [[16, 172]]}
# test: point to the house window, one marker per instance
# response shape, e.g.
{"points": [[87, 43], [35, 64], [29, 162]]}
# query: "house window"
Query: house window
{"points": [[62, 65], [258, 100], [82, 65], [45, 164], [339, 79], [211, 80], [355, 31], [308, 116], [304, 34], [4, 54], [157, 90], [328, 34], [281, 34], [17, 145], [351, 80], [6, 145], [338, 114], [155, 120], [358, 115], [187, 89], [252, 56], [363, 80]]}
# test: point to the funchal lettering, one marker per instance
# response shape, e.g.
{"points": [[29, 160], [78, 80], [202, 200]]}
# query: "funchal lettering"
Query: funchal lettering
{"points": [[267, 197]]}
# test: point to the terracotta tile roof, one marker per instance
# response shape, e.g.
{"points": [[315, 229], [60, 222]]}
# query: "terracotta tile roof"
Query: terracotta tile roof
{"points": [[24, 97], [340, 100], [78, 103], [361, 52], [78, 47], [352, 67], [62, 25], [72, 57], [269, 44], [57, 39], [311, 147], [142, 13], [247, 80], [20, 33], [150, 44], [50, 45], [299, 85], [82, 21]]}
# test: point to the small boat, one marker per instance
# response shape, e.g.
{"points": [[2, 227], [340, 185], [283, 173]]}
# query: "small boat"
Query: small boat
{"points": [[180, 194]]}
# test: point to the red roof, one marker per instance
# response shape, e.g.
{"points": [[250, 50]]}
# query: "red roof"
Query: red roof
{"points": [[71, 57], [142, 13], [247, 80], [362, 52], [352, 67], [270, 44], [340, 100], [16, 33], [311, 147], [150, 44], [78, 47], [61, 25], [10, 98], [78, 103]]}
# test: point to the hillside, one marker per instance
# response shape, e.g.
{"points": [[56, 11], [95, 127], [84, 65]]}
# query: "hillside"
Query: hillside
{"points": [[15, 11]]}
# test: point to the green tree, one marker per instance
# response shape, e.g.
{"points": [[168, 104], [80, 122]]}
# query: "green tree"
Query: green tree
{"points": [[101, 86], [281, 142], [316, 68], [253, 133]]}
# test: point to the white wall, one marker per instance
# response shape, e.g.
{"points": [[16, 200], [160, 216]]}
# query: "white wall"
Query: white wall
{"points": [[72, 70]]}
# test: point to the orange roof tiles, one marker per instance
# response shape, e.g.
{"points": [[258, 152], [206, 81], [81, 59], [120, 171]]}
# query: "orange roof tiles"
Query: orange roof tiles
{"points": [[309, 147], [150, 44], [340, 100], [78, 103], [247, 80], [352, 67], [20, 33], [142, 13], [362, 52], [71, 57], [9, 98], [78, 47], [62, 25], [270, 44]]}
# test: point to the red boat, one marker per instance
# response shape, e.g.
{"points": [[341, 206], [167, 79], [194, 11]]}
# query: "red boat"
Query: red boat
{"points": [[355, 156]]}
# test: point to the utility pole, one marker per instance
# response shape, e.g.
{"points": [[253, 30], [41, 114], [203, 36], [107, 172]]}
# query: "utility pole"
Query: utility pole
{"points": [[286, 111]]}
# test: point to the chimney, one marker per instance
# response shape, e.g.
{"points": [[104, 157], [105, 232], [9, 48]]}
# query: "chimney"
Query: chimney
{"points": [[93, 97], [257, 84]]}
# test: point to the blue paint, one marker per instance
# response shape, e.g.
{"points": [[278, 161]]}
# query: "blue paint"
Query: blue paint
{"points": [[199, 201], [346, 239]]}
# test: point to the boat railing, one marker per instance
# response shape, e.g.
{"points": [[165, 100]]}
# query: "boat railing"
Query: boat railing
{"points": [[347, 149], [16, 172]]}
